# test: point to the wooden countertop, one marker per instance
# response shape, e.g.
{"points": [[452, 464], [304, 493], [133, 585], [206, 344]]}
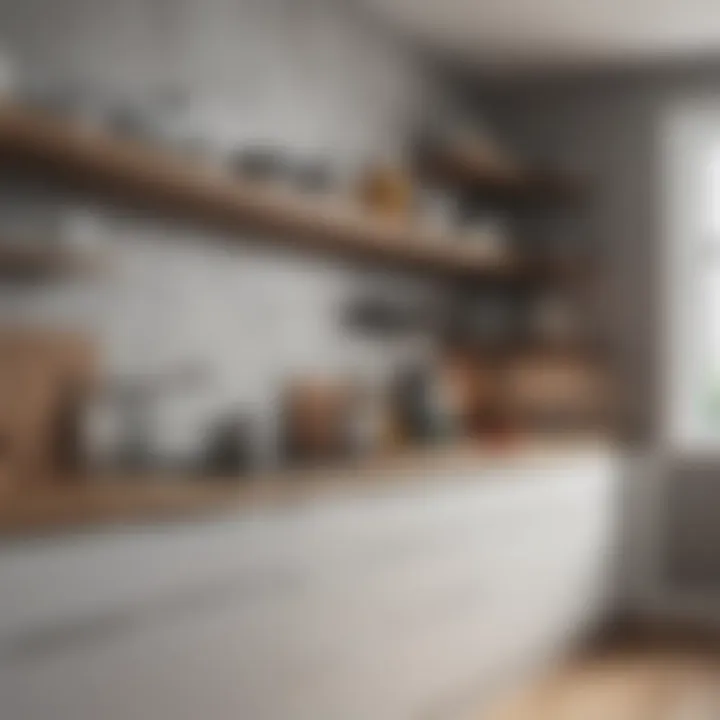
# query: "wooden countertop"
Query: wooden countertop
{"points": [[97, 501]]}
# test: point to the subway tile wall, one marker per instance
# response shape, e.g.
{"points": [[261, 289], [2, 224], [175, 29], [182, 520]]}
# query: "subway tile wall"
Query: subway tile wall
{"points": [[317, 76]]}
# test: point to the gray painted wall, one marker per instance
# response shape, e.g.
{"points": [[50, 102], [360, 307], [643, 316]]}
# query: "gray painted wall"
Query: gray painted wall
{"points": [[605, 132]]}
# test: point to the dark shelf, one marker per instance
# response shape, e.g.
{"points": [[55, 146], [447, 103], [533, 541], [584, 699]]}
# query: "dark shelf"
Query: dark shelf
{"points": [[27, 262], [503, 184]]}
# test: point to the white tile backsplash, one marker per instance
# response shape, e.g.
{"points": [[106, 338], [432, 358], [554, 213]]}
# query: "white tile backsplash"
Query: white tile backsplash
{"points": [[313, 75]]}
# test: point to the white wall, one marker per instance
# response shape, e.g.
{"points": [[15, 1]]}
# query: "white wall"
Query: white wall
{"points": [[314, 76]]}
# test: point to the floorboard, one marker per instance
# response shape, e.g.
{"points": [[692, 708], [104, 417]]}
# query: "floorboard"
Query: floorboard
{"points": [[648, 685]]}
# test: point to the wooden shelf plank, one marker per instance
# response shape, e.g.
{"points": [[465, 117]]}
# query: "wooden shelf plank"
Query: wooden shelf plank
{"points": [[96, 162], [31, 262], [504, 185]]}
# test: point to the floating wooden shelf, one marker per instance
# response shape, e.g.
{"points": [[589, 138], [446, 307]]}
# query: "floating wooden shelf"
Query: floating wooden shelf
{"points": [[503, 184], [30, 262], [97, 162]]}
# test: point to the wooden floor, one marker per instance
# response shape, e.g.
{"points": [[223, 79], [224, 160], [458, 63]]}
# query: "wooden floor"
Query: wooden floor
{"points": [[645, 686]]}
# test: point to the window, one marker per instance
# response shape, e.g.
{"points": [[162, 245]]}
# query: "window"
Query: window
{"points": [[691, 207]]}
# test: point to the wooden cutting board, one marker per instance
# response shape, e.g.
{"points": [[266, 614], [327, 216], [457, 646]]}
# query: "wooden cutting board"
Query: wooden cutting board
{"points": [[43, 373]]}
